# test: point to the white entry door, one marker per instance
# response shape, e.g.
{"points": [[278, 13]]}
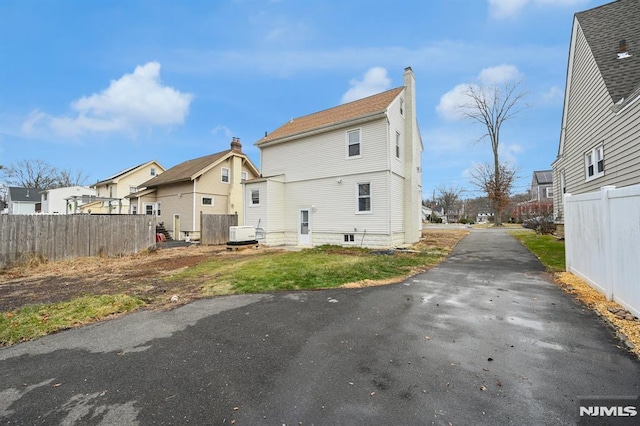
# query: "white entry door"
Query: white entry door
{"points": [[304, 231]]}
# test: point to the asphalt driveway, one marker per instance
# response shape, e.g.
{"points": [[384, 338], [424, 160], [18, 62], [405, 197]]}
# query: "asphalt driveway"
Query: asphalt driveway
{"points": [[484, 338]]}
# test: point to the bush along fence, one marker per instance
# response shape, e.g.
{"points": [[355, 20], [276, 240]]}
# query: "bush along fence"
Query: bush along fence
{"points": [[55, 237], [214, 228], [602, 242]]}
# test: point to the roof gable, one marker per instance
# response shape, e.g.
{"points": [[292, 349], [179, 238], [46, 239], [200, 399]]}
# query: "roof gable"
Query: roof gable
{"points": [[19, 194], [342, 113], [604, 28], [543, 177], [187, 170], [125, 172]]}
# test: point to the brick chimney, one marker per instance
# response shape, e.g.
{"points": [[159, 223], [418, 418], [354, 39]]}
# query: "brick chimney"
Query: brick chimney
{"points": [[236, 145]]}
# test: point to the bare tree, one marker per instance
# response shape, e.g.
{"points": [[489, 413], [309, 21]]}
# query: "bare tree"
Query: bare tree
{"points": [[497, 186], [448, 197], [68, 178], [492, 107], [38, 174]]}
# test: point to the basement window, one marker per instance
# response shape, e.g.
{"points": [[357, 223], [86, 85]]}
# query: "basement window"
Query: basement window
{"points": [[349, 238], [207, 201]]}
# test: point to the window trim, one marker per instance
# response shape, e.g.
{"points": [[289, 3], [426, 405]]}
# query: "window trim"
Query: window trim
{"points": [[358, 197], [202, 203], [398, 148], [402, 107], [244, 176], [222, 175], [347, 144], [548, 192], [595, 164], [251, 199]]}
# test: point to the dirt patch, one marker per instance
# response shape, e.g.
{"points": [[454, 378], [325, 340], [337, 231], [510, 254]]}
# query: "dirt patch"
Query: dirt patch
{"points": [[139, 275]]}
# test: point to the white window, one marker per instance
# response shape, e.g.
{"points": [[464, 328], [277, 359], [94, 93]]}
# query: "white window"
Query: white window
{"points": [[255, 197], [349, 238], [353, 143], [401, 106], [244, 176], [152, 171], [148, 209], [133, 189], [549, 192], [397, 144], [207, 201], [158, 207], [364, 197], [594, 163], [225, 175], [134, 209]]}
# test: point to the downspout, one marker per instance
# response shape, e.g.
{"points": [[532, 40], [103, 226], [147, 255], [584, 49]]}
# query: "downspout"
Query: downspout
{"points": [[193, 214], [389, 183]]}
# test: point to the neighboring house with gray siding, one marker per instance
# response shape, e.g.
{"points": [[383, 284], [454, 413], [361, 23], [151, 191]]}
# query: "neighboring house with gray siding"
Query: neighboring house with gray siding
{"points": [[348, 175], [600, 134]]}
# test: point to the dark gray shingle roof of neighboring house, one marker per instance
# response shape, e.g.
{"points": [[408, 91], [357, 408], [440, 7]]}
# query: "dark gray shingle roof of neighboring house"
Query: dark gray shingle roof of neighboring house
{"points": [[24, 194], [543, 177], [604, 28]]}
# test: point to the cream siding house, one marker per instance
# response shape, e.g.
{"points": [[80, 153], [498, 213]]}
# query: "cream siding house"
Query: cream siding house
{"points": [[347, 175], [111, 193], [207, 185], [600, 134]]}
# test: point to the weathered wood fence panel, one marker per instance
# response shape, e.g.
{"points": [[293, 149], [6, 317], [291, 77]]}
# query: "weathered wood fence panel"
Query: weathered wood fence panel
{"points": [[214, 228], [602, 242], [55, 237]]}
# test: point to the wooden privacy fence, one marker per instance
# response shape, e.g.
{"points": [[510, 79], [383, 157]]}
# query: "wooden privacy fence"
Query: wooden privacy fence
{"points": [[55, 237], [214, 228], [602, 242]]}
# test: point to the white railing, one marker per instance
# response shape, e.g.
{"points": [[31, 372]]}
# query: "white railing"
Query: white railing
{"points": [[602, 242]]}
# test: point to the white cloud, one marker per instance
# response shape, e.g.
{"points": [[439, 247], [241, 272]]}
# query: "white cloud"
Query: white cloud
{"points": [[504, 9], [553, 93], [500, 74], [222, 129], [449, 107], [135, 100], [375, 81], [508, 153]]}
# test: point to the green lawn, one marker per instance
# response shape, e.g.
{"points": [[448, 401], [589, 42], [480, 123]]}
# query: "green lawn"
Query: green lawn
{"points": [[321, 267], [35, 321], [315, 268], [547, 248]]}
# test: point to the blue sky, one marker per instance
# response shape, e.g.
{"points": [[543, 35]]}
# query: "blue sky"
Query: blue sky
{"points": [[100, 86]]}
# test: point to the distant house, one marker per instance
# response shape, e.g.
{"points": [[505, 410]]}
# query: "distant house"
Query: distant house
{"points": [[111, 193], [347, 175], [211, 185], [65, 200], [23, 200], [484, 217], [541, 197], [600, 133]]}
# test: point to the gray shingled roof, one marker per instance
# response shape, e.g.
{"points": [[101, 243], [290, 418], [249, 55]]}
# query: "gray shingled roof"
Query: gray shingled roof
{"points": [[604, 27], [24, 194], [543, 177]]}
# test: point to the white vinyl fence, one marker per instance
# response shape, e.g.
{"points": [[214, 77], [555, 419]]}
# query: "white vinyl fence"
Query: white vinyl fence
{"points": [[602, 242]]}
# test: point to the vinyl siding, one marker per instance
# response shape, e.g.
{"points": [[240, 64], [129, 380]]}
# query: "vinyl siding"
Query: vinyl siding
{"points": [[589, 122], [327, 153]]}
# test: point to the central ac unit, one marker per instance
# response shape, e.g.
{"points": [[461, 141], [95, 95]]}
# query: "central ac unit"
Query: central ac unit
{"points": [[241, 233]]}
